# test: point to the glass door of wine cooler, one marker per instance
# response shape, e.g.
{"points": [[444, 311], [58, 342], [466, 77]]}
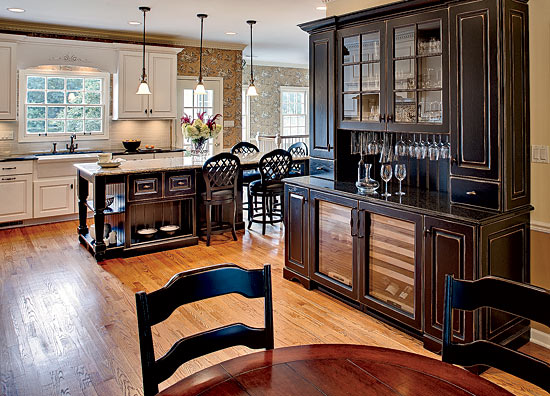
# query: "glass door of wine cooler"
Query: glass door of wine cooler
{"points": [[390, 259], [335, 222], [418, 74]]}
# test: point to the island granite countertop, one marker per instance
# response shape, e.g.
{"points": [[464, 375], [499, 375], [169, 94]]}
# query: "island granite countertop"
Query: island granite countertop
{"points": [[416, 200]]}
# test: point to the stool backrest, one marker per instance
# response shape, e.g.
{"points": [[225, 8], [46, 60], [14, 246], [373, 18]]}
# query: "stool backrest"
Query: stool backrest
{"points": [[244, 148], [298, 149], [220, 173], [274, 166]]}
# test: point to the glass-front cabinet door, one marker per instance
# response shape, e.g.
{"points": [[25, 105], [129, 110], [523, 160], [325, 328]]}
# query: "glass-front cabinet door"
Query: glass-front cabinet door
{"points": [[389, 262], [418, 77], [361, 79], [334, 224]]}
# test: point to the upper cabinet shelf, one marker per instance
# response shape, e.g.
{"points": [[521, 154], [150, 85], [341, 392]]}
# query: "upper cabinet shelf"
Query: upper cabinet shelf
{"points": [[391, 75]]}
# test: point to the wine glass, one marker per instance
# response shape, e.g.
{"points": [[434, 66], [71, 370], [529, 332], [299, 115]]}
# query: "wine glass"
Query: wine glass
{"points": [[400, 147], [422, 149], [433, 150], [412, 147], [386, 174], [445, 150], [400, 174]]}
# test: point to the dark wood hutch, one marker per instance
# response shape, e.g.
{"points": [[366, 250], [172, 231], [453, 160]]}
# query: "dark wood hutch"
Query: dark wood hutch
{"points": [[453, 71]]}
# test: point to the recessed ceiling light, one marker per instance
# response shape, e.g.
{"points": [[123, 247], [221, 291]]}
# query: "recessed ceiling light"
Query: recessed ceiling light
{"points": [[230, 33], [18, 10], [134, 23], [321, 8]]}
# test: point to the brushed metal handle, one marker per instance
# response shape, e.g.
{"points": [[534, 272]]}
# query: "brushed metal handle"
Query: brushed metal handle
{"points": [[181, 183], [320, 168], [8, 178], [147, 186], [471, 193]]}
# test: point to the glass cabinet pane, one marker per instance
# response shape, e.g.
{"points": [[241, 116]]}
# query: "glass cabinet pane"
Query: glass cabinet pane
{"points": [[370, 47], [430, 107], [351, 107], [335, 242], [370, 80], [405, 107], [429, 38], [404, 42], [370, 107], [392, 262], [404, 74], [351, 78], [350, 49], [430, 73]]}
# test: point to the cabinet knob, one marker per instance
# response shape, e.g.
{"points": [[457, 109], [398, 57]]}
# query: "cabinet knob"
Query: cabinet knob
{"points": [[145, 111], [390, 118], [427, 231], [320, 168], [72, 186], [8, 178], [382, 118], [471, 193], [150, 111]]}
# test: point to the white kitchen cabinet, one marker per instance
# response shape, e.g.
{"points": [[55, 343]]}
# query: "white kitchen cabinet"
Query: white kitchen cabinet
{"points": [[8, 81], [54, 197], [162, 75], [16, 197]]}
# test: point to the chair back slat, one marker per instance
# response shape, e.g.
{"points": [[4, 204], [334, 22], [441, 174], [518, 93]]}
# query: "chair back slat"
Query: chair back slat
{"points": [[244, 148], [191, 286], [275, 166], [505, 295], [220, 173], [298, 149], [208, 342]]}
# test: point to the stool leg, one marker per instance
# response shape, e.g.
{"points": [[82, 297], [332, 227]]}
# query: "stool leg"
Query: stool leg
{"points": [[271, 209], [250, 209], [208, 223], [264, 208], [233, 221]]}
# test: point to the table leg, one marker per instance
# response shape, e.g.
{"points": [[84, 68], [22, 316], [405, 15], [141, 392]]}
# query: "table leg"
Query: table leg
{"points": [[82, 208], [99, 217]]}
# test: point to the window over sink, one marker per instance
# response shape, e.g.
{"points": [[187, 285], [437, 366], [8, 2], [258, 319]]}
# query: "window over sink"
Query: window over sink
{"points": [[58, 103]]}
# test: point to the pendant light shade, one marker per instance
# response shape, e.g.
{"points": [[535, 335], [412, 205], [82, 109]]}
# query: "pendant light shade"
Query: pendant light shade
{"points": [[199, 89], [143, 88], [252, 91]]}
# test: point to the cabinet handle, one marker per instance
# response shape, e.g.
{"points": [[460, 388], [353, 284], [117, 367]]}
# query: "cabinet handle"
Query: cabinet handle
{"points": [[390, 118], [146, 187], [351, 223], [181, 183], [329, 147], [150, 111], [427, 231], [454, 160], [72, 186], [320, 168], [10, 168], [8, 178], [360, 233], [382, 118], [471, 193], [145, 111]]}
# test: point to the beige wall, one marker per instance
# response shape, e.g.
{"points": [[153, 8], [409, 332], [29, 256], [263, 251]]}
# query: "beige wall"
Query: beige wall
{"points": [[539, 31]]}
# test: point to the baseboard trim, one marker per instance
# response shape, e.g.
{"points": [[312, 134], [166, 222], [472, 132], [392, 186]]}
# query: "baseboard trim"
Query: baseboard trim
{"points": [[540, 338], [540, 226]]}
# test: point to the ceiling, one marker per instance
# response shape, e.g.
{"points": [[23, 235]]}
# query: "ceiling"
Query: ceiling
{"points": [[277, 39]]}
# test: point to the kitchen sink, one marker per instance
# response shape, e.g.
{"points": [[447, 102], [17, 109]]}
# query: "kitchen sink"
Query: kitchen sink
{"points": [[69, 153]]}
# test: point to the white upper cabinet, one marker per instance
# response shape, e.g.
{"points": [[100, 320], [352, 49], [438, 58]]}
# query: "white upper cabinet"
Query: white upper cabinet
{"points": [[162, 74], [8, 81]]}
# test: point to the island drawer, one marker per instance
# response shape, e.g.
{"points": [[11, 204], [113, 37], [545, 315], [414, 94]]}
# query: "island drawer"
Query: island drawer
{"points": [[145, 187], [179, 183], [321, 168]]}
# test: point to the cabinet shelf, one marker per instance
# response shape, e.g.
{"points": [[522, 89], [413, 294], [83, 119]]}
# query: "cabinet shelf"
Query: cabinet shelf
{"points": [[118, 206]]}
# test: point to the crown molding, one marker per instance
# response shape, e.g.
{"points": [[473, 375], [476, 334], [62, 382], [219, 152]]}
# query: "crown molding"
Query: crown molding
{"points": [[10, 26]]}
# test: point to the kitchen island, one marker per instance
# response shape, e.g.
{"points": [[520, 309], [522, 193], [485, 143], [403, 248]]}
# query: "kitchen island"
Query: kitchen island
{"points": [[147, 195]]}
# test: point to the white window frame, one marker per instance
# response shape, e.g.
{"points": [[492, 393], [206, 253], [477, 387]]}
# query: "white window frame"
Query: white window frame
{"points": [[246, 125], [284, 89], [105, 91]]}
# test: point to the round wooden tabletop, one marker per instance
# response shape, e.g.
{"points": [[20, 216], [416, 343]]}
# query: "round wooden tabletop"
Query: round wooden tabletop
{"points": [[334, 370]]}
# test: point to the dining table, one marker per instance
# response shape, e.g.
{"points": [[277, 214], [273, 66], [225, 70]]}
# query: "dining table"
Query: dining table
{"points": [[333, 370]]}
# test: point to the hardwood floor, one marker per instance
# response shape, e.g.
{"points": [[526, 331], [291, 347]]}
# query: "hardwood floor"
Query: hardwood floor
{"points": [[68, 325]]}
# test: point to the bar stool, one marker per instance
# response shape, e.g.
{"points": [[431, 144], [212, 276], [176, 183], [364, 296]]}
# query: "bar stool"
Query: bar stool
{"points": [[245, 149], [220, 177], [298, 149], [274, 166]]}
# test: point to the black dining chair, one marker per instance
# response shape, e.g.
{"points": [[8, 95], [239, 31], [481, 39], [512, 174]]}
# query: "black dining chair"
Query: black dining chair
{"points": [[188, 287], [520, 299], [274, 166], [220, 174], [298, 149], [249, 175]]}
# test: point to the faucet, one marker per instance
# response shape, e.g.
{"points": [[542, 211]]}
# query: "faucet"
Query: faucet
{"points": [[73, 146]]}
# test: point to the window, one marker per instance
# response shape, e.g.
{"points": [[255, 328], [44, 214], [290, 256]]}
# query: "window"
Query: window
{"points": [[245, 115], [61, 103], [294, 111]]}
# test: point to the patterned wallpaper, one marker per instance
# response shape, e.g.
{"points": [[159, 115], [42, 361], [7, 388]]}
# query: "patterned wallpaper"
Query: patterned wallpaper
{"points": [[265, 108], [219, 63]]}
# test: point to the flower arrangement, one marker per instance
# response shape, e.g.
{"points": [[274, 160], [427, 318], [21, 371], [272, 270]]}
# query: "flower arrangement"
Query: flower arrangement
{"points": [[200, 129]]}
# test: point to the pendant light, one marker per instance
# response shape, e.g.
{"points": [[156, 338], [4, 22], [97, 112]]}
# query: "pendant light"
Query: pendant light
{"points": [[251, 87], [199, 89], [143, 88]]}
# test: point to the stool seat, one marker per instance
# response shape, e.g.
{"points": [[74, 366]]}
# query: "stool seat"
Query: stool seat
{"points": [[256, 187], [221, 195], [250, 175], [294, 173]]}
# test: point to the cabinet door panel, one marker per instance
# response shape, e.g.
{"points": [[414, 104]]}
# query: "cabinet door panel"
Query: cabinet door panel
{"points": [[474, 92], [449, 249], [334, 242], [16, 202], [127, 104], [54, 197], [322, 108], [7, 81], [162, 78], [296, 229]]}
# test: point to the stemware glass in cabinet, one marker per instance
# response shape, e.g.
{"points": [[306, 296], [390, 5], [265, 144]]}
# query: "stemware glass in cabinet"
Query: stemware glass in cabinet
{"points": [[386, 175], [433, 150], [400, 174]]}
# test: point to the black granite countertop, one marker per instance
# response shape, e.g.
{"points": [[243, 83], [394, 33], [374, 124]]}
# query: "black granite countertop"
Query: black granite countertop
{"points": [[34, 155], [416, 200]]}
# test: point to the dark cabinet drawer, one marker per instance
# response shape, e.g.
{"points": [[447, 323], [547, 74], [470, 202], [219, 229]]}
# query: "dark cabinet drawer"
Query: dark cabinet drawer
{"points": [[321, 168], [469, 192], [179, 183], [143, 187]]}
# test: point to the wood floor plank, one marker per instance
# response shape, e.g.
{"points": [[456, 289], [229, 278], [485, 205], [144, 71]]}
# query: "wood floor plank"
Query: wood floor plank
{"points": [[68, 325]]}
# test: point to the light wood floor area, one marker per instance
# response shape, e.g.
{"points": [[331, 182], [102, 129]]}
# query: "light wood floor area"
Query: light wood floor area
{"points": [[68, 325]]}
